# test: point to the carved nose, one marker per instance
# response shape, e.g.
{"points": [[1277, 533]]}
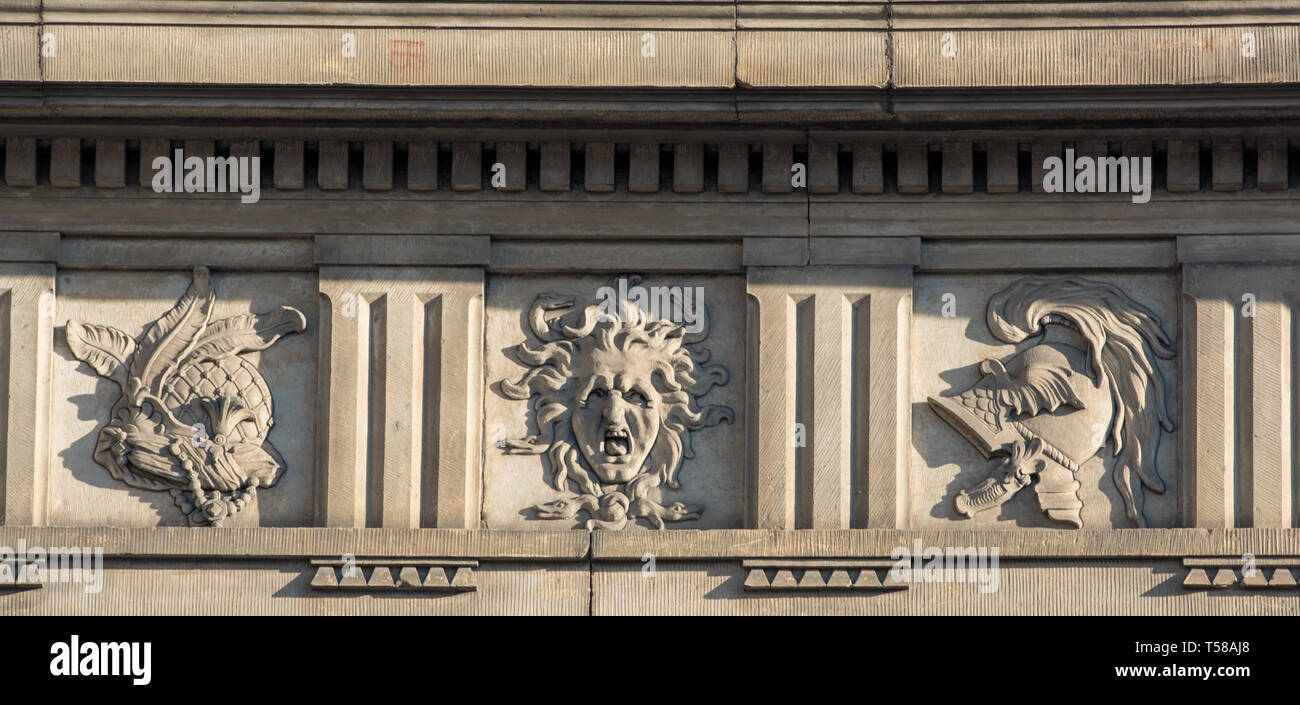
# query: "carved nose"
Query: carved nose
{"points": [[615, 410]]}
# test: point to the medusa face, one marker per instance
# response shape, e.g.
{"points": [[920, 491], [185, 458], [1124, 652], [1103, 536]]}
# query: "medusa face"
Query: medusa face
{"points": [[616, 418], [615, 399]]}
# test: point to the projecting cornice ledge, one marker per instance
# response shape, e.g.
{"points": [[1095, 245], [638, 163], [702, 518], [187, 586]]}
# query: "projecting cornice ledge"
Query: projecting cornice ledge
{"points": [[905, 44]]}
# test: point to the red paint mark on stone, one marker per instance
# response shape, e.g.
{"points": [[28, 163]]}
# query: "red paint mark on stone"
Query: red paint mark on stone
{"points": [[405, 53]]}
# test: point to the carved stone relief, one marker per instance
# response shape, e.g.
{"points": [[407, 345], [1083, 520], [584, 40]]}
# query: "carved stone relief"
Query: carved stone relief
{"points": [[615, 396], [1089, 380], [194, 415]]}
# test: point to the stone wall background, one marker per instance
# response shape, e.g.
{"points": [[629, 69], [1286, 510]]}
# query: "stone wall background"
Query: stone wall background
{"points": [[919, 129]]}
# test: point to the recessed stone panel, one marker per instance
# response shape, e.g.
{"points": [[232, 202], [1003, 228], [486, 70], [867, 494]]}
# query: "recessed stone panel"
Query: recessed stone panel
{"points": [[997, 427], [659, 442], [82, 491]]}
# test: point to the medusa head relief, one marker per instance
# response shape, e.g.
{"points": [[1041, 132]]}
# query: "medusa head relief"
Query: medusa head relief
{"points": [[615, 394]]}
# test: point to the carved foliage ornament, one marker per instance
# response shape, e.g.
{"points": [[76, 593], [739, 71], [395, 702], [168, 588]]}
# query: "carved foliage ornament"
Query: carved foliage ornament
{"points": [[1090, 378], [616, 401], [194, 416]]}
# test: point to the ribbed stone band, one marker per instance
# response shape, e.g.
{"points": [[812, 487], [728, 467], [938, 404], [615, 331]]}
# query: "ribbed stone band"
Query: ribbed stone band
{"points": [[695, 44]]}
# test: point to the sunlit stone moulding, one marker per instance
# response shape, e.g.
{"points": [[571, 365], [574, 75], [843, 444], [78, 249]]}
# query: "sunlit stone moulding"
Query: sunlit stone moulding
{"points": [[401, 396]]}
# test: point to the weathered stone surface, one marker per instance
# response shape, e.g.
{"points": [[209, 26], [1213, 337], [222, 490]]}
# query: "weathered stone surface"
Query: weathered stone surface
{"points": [[408, 578], [912, 360], [400, 397], [1245, 314], [326, 577], [816, 389], [1038, 587]]}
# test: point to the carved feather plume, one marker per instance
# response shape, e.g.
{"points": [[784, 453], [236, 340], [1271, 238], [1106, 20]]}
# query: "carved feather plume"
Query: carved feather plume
{"points": [[172, 337], [105, 348], [245, 333]]}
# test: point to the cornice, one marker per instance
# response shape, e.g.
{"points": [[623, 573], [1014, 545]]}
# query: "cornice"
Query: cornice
{"points": [[638, 14], [1064, 14], [665, 14], [895, 47]]}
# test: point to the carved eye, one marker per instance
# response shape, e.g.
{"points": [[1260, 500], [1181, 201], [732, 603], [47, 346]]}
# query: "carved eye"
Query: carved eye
{"points": [[597, 394], [636, 397]]}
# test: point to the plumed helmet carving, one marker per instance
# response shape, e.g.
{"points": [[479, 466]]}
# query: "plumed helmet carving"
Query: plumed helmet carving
{"points": [[1092, 378]]}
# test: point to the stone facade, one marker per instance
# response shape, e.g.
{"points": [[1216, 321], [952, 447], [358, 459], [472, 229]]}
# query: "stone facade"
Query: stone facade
{"points": [[666, 307]]}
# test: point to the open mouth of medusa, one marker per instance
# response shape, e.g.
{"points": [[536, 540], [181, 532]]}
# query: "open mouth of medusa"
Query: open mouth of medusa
{"points": [[616, 445]]}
